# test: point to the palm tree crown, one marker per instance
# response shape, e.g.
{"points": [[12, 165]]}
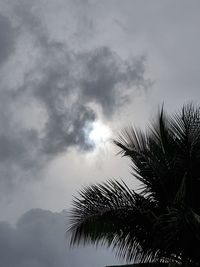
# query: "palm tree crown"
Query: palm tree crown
{"points": [[160, 222]]}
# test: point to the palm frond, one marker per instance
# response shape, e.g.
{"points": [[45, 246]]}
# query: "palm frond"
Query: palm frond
{"points": [[112, 214], [159, 222]]}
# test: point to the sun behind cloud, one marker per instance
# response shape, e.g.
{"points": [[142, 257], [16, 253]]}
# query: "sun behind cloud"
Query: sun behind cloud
{"points": [[99, 134]]}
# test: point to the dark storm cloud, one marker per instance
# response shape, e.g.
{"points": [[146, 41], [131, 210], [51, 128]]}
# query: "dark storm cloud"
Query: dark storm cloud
{"points": [[7, 38], [39, 240]]}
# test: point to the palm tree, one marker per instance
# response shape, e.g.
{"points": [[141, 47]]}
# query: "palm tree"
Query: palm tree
{"points": [[160, 222]]}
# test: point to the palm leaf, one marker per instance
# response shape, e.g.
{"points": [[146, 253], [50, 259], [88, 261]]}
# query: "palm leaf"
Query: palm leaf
{"points": [[160, 222], [112, 214]]}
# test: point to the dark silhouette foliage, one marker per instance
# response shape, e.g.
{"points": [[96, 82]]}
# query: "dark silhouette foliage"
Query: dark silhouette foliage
{"points": [[160, 223]]}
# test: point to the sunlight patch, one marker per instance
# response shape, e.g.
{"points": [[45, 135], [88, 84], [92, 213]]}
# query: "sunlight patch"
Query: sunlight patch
{"points": [[99, 134]]}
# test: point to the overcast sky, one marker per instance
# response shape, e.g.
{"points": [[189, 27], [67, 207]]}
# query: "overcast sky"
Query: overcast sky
{"points": [[73, 73]]}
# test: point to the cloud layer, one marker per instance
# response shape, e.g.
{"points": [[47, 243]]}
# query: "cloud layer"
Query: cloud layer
{"points": [[50, 93], [39, 240]]}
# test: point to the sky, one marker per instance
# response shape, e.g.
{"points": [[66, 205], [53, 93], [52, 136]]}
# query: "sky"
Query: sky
{"points": [[73, 74]]}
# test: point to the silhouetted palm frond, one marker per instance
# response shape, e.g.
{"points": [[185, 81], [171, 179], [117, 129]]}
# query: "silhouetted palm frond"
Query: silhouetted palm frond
{"points": [[112, 213], [160, 223]]}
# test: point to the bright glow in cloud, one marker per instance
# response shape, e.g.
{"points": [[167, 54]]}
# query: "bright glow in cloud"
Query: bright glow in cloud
{"points": [[99, 134]]}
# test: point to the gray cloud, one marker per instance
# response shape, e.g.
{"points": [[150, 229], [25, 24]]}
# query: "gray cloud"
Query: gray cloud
{"points": [[51, 107], [68, 88], [39, 240], [19, 146], [108, 79], [65, 84], [67, 129], [7, 38]]}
